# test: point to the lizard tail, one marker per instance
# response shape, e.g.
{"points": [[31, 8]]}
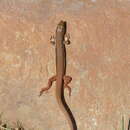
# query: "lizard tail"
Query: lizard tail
{"points": [[67, 112]]}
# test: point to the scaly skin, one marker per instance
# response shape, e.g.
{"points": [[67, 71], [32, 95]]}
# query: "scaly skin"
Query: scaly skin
{"points": [[61, 79]]}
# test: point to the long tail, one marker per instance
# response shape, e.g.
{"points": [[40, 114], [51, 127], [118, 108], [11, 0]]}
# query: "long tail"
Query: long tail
{"points": [[68, 114]]}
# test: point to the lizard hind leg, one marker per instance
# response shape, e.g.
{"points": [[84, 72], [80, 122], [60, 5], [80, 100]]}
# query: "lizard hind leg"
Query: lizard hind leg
{"points": [[67, 80], [50, 81]]}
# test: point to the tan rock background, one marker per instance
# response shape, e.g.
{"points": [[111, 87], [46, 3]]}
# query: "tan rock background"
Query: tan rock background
{"points": [[98, 61]]}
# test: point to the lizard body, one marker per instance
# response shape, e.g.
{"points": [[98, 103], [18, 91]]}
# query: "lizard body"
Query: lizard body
{"points": [[61, 79]]}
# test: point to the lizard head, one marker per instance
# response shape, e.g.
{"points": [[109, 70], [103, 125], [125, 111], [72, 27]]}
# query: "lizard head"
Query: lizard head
{"points": [[61, 27]]}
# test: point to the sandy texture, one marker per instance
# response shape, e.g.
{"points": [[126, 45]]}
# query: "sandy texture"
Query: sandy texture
{"points": [[98, 60]]}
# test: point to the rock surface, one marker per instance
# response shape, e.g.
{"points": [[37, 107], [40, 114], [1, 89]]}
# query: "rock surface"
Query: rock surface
{"points": [[98, 60]]}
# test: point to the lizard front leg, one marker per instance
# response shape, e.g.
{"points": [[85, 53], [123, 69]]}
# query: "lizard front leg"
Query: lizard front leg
{"points": [[67, 80], [67, 39], [53, 40], [50, 81]]}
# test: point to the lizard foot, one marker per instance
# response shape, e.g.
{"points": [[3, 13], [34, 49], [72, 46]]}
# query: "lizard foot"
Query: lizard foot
{"points": [[50, 81]]}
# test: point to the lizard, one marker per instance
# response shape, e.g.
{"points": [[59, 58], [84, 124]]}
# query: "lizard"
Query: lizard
{"points": [[129, 125], [62, 80]]}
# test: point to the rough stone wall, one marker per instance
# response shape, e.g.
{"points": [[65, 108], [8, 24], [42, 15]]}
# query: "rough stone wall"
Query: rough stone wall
{"points": [[98, 60]]}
